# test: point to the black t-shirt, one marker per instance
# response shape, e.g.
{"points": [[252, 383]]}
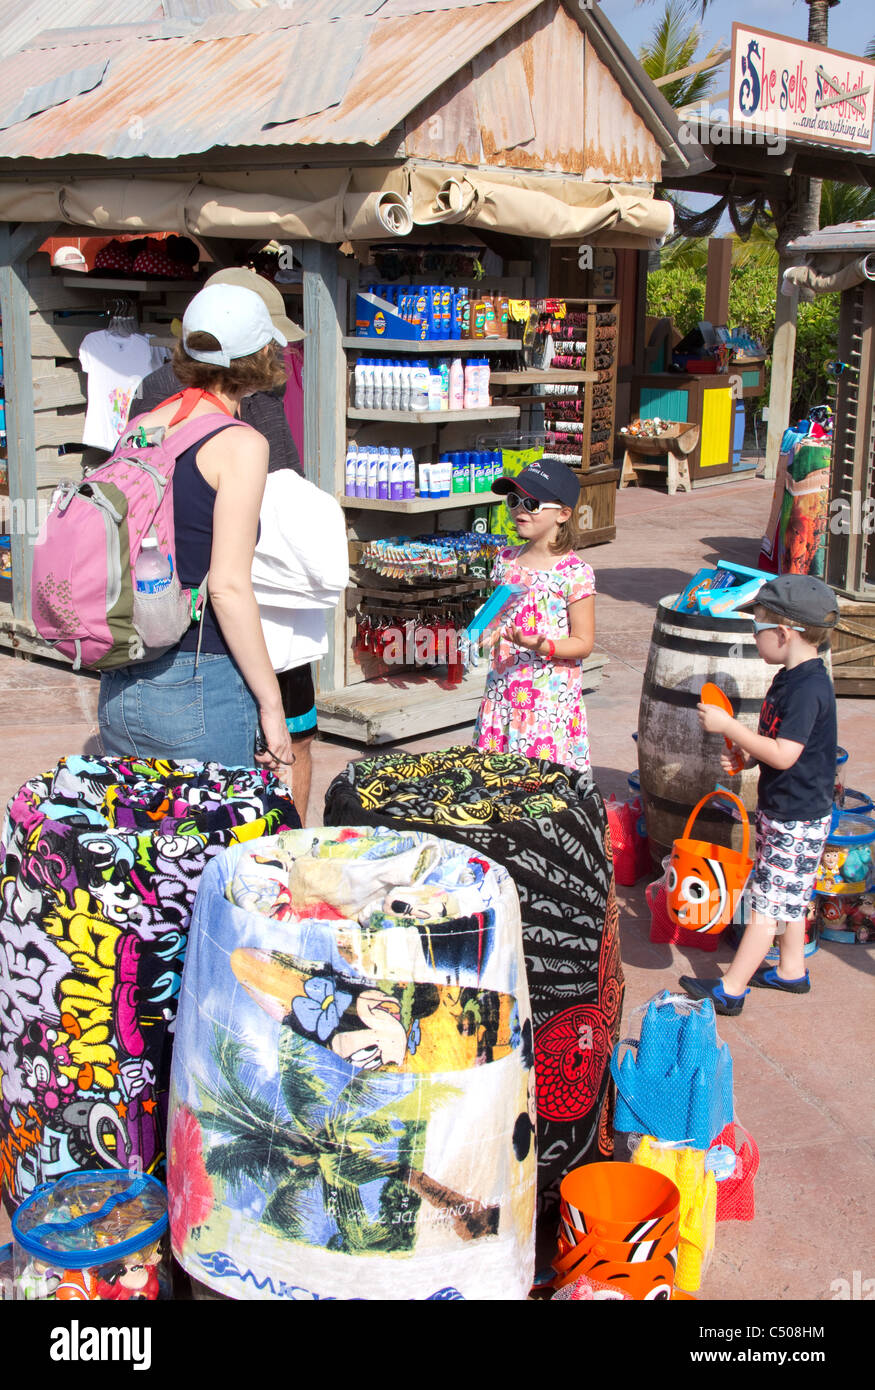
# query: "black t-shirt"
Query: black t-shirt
{"points": [[800, 706]]}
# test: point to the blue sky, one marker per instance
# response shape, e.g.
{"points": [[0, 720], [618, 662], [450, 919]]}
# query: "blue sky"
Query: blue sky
{"points": [[851, 23], [851, 26]]}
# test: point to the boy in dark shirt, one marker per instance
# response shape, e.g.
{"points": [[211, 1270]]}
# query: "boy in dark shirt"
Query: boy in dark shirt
{"points": [[795, 746]]}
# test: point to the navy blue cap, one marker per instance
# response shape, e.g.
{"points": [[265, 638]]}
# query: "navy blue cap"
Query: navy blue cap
{"points": [[546, 479]]}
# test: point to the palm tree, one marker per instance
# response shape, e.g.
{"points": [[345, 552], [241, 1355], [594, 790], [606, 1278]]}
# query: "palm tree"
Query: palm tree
{"points": [[673, 46], [300, 1161], [845, 202], [818, 20]]}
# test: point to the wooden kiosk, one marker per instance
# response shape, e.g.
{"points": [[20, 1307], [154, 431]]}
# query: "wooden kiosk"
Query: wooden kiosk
{"points": [[523, 122]]}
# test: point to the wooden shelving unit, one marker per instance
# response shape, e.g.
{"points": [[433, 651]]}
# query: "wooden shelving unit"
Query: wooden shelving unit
{"points": [[533, 376], [120, 284], [434, 417], [446, 346], [413, 505]]}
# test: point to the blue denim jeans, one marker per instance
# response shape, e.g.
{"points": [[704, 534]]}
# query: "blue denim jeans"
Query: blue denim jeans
{"points": [[167, 709]]}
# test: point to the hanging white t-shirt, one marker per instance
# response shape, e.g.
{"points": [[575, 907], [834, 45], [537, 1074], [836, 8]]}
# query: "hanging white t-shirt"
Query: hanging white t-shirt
{"points": [[115, 365]]}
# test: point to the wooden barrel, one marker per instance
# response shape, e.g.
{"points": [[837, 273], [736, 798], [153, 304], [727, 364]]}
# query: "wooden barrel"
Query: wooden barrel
{"points": [[677, 761]]}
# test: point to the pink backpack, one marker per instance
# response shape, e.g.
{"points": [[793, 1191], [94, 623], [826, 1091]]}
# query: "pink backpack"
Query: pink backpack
{"points": [[82, 585]]}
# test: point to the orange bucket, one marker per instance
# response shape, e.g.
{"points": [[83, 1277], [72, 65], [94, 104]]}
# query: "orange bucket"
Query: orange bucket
{"points": [[641, 1280], [620, 1202], [570, 1251], [705, 881]]}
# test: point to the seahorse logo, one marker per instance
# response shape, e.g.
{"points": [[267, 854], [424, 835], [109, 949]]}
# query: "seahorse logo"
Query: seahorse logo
{"points": [[749, 90]]}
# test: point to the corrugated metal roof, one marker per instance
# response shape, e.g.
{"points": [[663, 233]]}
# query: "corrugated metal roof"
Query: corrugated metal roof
{"points": [[19, 23], [48, 94], [842, 236], [311, 85], [177, 96]]}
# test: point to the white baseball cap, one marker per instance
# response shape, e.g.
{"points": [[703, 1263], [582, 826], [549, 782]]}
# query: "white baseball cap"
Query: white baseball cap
{"points": [[236, 317], [69, 258]]}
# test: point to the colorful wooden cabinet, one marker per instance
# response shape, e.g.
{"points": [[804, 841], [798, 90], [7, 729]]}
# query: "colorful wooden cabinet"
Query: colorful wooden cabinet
{"points": [[704, 400]]}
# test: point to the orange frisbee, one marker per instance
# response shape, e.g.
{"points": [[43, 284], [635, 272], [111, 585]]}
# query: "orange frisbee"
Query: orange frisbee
{"points": [[713, 695]]}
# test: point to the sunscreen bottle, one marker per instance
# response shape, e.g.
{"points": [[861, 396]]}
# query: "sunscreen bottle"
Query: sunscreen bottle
{"points": [[457, 385], [349, 472], [408, 473], [396, 476], [383, 463]]}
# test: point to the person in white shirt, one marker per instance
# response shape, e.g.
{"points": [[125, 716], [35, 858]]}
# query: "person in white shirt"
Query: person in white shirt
{"points": [[299, 571]]}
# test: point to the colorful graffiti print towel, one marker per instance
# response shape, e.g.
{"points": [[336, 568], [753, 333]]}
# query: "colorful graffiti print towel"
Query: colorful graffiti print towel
{"points": [[548, 826], [352, 1094], [101, 863]]}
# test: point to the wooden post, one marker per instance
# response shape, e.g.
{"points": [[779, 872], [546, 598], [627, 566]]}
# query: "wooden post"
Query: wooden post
{"points": [[17, 245], [325, 410], [783, 353], [717, 284]]}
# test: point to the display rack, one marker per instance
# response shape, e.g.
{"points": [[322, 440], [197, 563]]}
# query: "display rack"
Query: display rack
{"points": [[377, 702]]}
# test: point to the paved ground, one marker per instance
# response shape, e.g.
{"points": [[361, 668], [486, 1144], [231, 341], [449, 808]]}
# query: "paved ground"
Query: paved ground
{"points": [[803, 1066]]}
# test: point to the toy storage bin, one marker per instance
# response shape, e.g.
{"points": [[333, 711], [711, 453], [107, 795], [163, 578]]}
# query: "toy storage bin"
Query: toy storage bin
{"points": [[856, 803], [92, 1236], [847, 865]]}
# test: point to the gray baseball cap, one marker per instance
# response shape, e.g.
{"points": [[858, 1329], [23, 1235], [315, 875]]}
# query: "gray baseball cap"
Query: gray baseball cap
{"points": [[801, 598]]}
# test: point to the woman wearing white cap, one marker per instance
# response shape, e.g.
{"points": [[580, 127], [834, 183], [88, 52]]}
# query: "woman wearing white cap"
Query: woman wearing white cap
{"points": [[208, 705]]}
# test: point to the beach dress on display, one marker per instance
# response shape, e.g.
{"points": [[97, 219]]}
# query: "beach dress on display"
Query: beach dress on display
{"points": [[532, 705]]}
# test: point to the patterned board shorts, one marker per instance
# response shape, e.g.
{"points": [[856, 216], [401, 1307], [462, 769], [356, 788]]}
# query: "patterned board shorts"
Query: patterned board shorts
{"points": [[788, 853]]}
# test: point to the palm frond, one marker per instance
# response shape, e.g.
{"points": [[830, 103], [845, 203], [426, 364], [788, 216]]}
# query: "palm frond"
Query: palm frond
{"points": [[303, 1090], [283, 1210], [672, 46], [845, 202]]}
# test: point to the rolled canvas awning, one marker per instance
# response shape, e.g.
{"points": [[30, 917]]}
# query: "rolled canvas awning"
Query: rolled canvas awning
{"points": [[347, 205]]}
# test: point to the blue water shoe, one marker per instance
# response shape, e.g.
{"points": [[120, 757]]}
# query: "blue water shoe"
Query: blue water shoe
{"points": [[729, 1004]]}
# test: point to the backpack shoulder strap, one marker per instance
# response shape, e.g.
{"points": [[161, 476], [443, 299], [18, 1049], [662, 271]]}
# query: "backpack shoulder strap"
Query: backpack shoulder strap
{"points": [[188, 434], [193, 431]]}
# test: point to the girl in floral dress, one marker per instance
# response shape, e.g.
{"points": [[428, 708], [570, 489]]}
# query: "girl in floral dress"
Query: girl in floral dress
{"points": [[533, 702]]}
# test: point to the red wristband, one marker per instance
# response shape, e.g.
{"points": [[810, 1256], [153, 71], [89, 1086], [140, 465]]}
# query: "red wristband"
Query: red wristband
{"points": [[552, 645]]}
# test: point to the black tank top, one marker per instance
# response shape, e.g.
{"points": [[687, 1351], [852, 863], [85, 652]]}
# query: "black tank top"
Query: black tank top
{"points": [[193, 502]]}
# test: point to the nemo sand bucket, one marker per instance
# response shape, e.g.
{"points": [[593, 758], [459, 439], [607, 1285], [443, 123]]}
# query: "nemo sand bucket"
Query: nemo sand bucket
{"points": [[650, 1277], [705, 881], [657, 1244], [619, 1201]]}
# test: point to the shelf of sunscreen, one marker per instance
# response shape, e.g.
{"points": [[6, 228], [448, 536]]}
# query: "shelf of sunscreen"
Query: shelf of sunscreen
{"points": [[389, 473], [419, 386], [430, 312]]}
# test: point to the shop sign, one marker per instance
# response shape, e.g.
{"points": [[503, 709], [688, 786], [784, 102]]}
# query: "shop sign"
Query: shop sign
{"points": [[806, 92]]}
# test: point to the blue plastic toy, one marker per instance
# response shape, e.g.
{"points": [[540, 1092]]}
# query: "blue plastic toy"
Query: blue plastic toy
{"points": [[724, 603], [493, 611], [679, 1086]]}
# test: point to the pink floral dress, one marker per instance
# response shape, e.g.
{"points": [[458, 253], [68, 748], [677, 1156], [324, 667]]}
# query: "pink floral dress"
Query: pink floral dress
{"points": [[532, 705]]}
